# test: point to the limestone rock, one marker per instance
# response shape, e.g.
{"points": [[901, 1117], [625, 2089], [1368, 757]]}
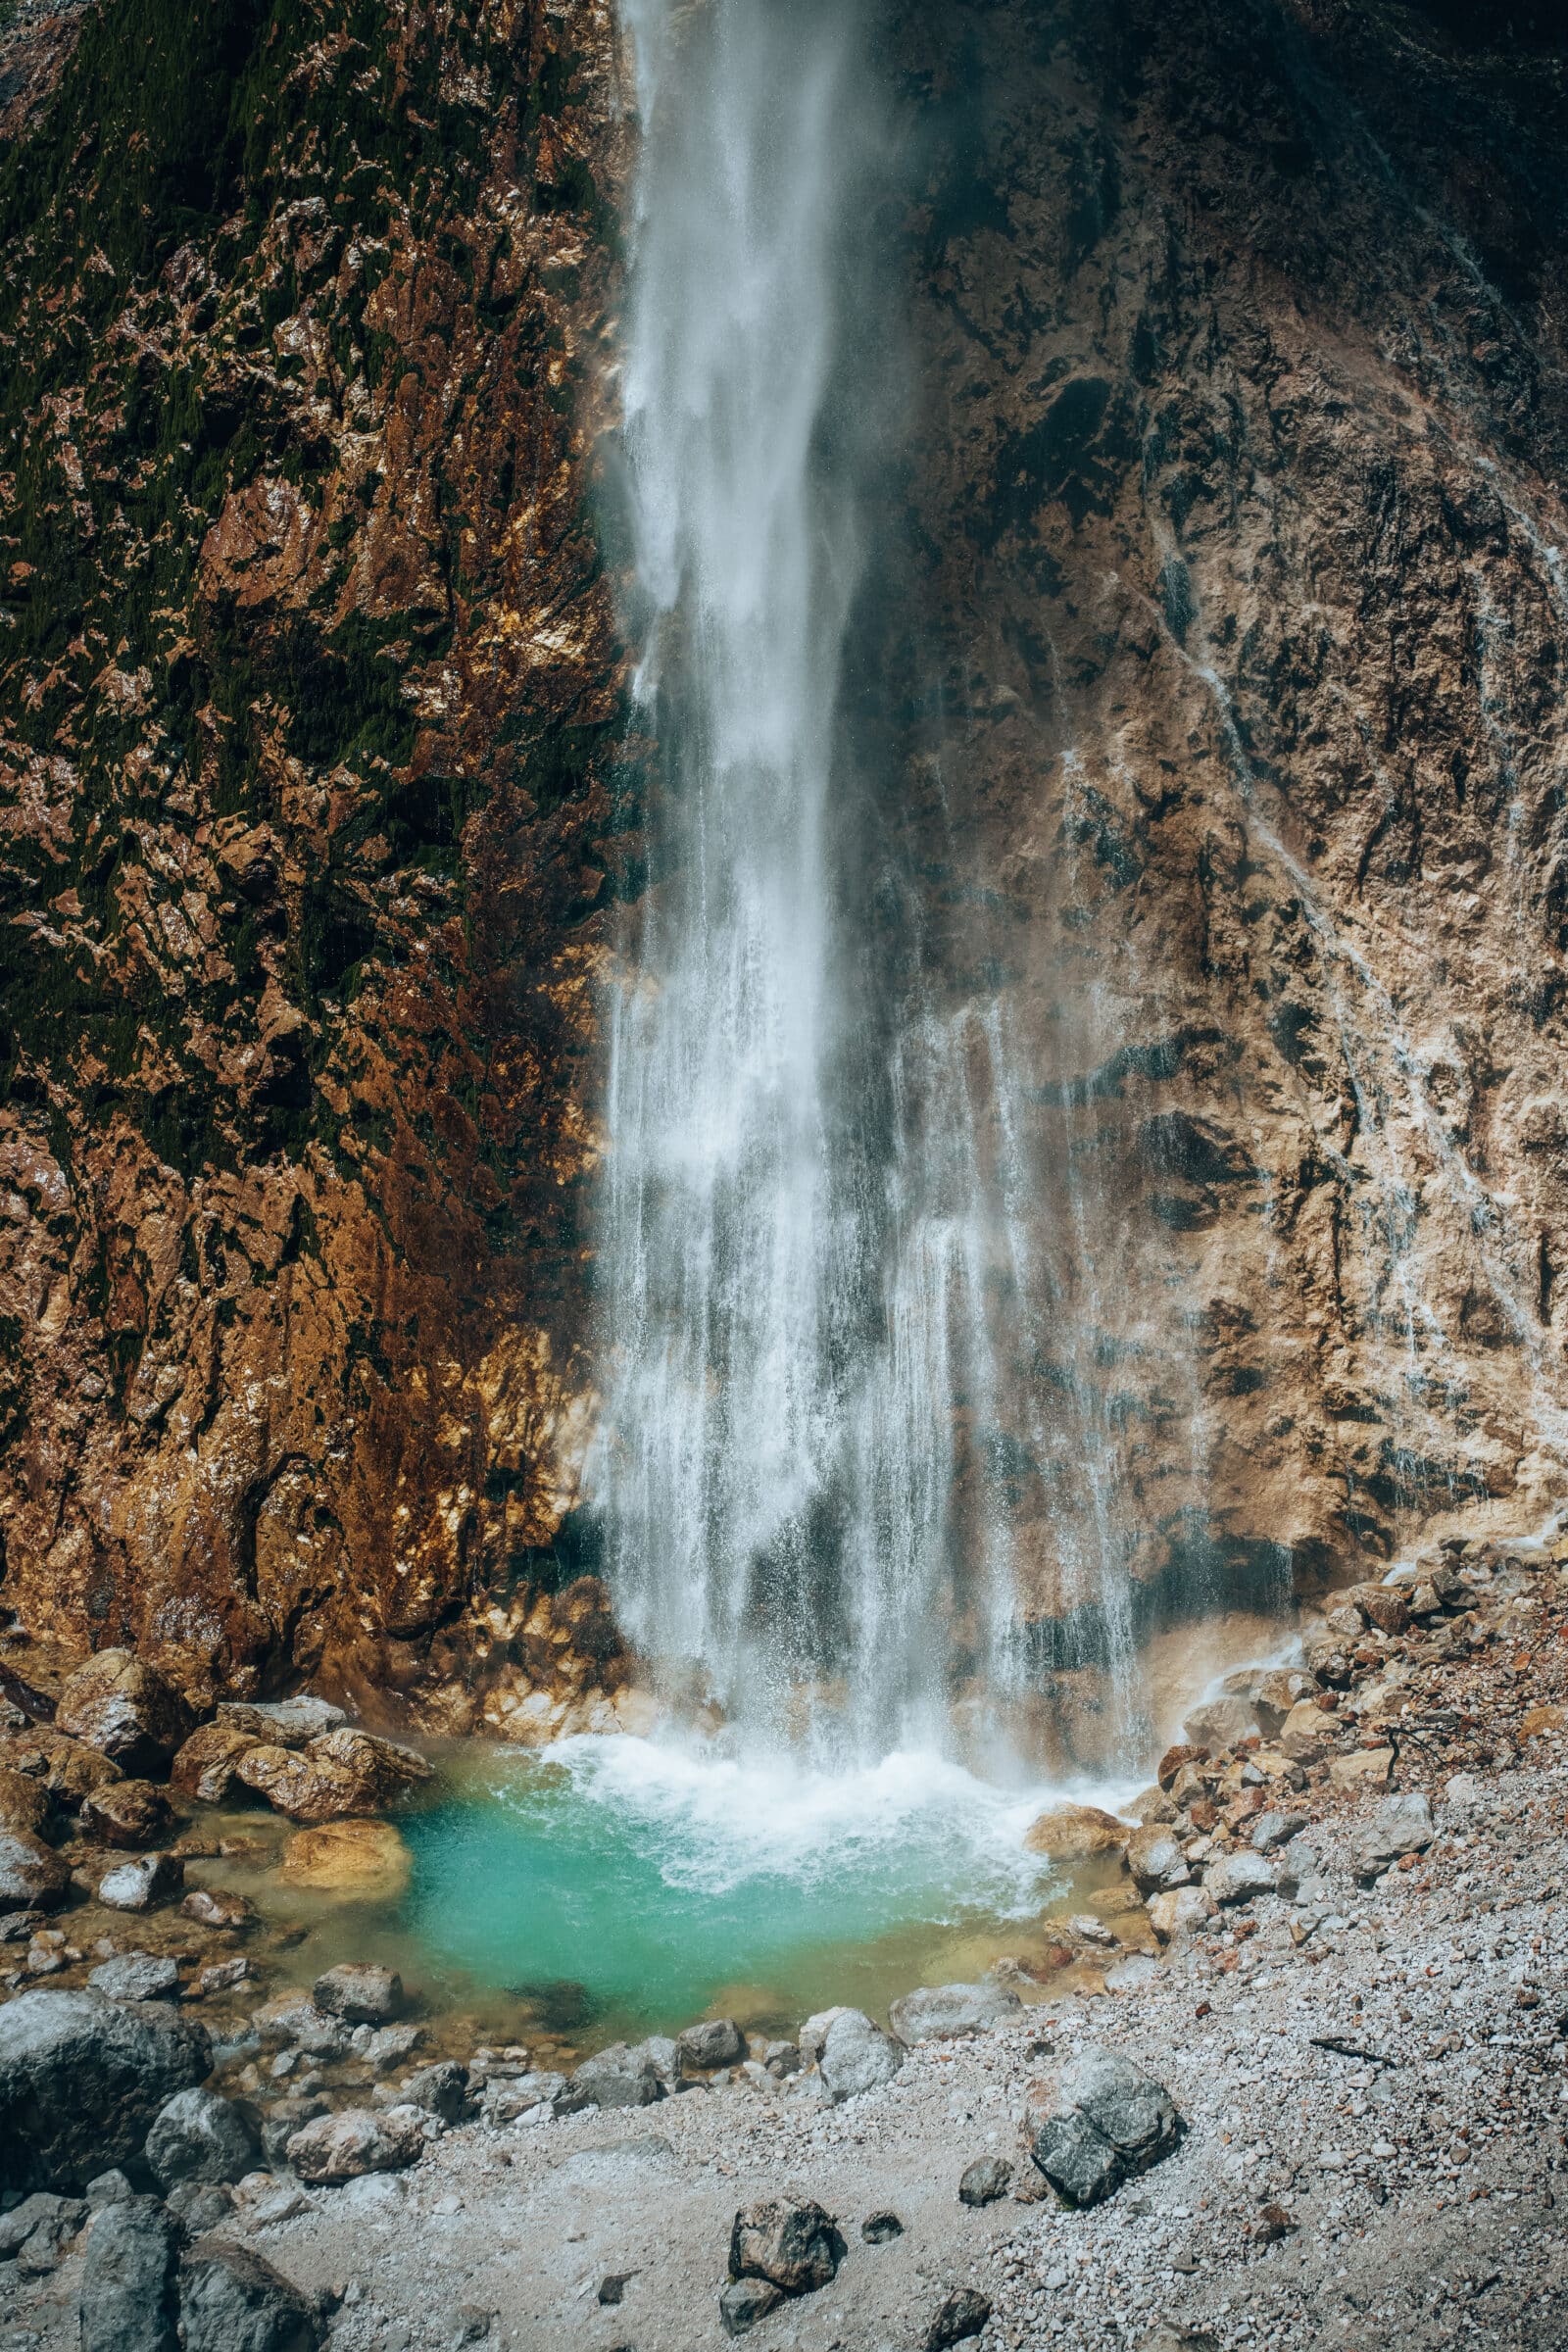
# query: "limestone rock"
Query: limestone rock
{"points": [[1381, 1605], [353, 2141], [1156, 1861], [938, 2012], [81, 2078], [856, 2056], [717, 2042], [67, 1769], [1220, 1723], [617, 2077], [216, 1907], [1363, 1768], [293, 2021], [136, 1977], [957, 2317], [137, 1885], [360, 1992], [197, 2135], [794, 2244], [117, 1704], [129, 2301], [1237, 1878], [1113, 2121], [441, 2089], [333, 1775], [1272, 1830], [126, 1813], [233, 2301], [1075, 1833], [1400, 1825], [1185, 1911], [985, 2181], [33, 1875], [364, 1859], [280, 1722]]}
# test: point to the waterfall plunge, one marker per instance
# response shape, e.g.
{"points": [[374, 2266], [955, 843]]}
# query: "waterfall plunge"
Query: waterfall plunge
{"points": [[813, 1187]]}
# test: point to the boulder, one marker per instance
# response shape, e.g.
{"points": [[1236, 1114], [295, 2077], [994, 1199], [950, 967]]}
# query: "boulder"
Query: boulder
{"points": [[1273, 1830], [1156, 1861], [137, 1885], [356, 2140], [617, 2077], [126, 1813], [1184, 1911], [339, 1773], [200, 2205], [985, 2181], [1237, 1878], [938, 2012], [136, 1977], [957, 2317], [283, 2118], [24, 1803], [1402, 1824], [212, 1907], [1381, 1605], [1152, 1807], [792, 2244], [293, 2022], [282, 1722], [1075, 1833], [205, 1766], [1220, 1723], [1174, 1758], [108, 2189], [1326, 1655], [233, 2301], [196, 2136], [66, 1768], [815, 2033], [81, 2078], [44, 2223], [715, 2041], [129, 2299], [744, 2301], [360, 1992], [1112, 2122], [1304, 1730], [1362, 1767], [117, 1704], [880, 2228], [366, 1860], [1277, 1693], [505, 2101], [33, 1875], [442, 2089], [856, 2056]]}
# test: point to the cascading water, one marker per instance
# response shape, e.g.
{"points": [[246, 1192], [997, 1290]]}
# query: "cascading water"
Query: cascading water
{"points": [[794, 1250]]}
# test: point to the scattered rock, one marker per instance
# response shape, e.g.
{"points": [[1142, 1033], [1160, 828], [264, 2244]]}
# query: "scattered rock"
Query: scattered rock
{"points": [[1156, 1861], [117, 1704], [795, 2245], [81, 2078], [362, 1993], [210, 1908], [1381, 1605], [363, 1858], [1273, 1830], [137, 1885], [200, 2137], [618, 2077], [33, 1875], [937, 2012], [233, 2301], [1363, 1768], [744, 2301], [205, 1765], [1184, 1911], [1402, 1824], [856, 2056], [879, 2228], [355, 2142], [960, 2315], [1075, 1833], [126, 1813], [1237, 1878], [129, 2301], [985, 2181], [440, 2089], [1112, 2122], [136, 1977], [717, 2042]]}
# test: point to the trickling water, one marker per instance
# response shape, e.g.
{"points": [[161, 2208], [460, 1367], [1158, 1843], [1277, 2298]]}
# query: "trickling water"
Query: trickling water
{"points": [[791, 1177]]}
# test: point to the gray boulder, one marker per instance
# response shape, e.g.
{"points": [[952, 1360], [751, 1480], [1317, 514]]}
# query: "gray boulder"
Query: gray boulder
{"points": [[137, 1885], [356, 2140], [108, 2189], [200, 2205], [81, 2079], [1112, 2122], [51, 2219], [283, 2119], [744, 2301], [791, 2242], [936, 2012], [958, 2318], [136, 1977], [129, 2301], [1156, 1861], [1272, 1830], [33, 1875], [1401, 1825], [614, 2078], [1237, 1878], [202, 2137], [233, 2301], [505, 2101], [440, 2089], [294, 2022], [856, 2056], [715, 2041], [361, 1992], [985, 2181]]}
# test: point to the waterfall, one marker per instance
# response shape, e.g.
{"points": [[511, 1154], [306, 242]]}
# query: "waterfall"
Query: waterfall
{"points": [[791, 1264]]}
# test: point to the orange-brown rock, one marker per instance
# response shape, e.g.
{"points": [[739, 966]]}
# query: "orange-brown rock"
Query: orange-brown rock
{"points": [[341, 1773], [205, 1765], [216, 1908], [121, 1706], [24, 1803], [364, 1859], [1175, 1758], [126, 1813], [1076, 1834], [66, 1768]]}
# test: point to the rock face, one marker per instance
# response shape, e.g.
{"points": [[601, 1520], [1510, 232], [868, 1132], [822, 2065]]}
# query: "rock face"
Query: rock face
{"points": [[81, 2078]]}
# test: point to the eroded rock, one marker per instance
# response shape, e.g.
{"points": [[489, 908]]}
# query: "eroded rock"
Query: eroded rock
{"points": [[792, 2244]]}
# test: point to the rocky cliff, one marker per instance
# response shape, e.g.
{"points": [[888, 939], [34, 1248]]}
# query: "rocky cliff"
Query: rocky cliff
{"points": [[1222, 611]]}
